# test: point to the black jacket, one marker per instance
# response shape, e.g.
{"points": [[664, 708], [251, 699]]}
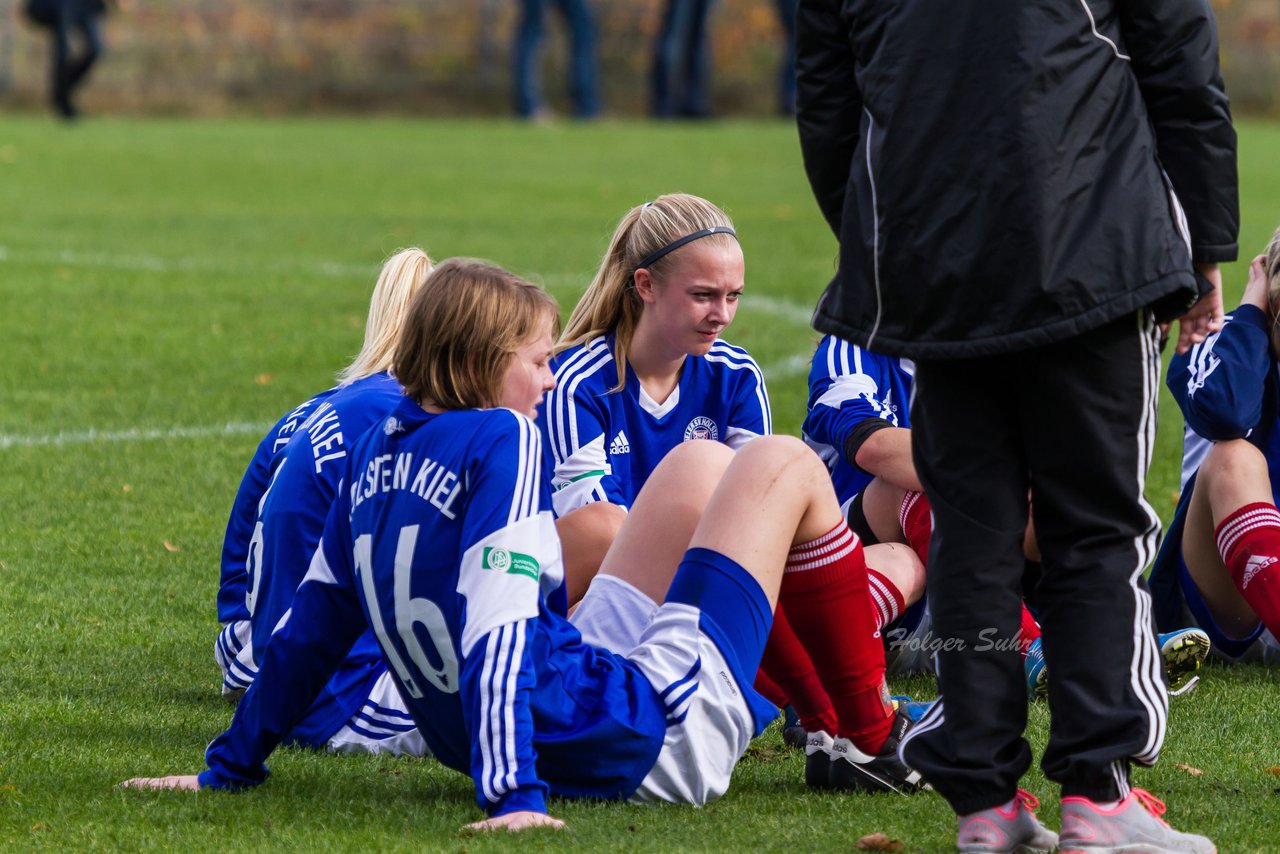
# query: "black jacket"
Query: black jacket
{"points": [[999, 171]]}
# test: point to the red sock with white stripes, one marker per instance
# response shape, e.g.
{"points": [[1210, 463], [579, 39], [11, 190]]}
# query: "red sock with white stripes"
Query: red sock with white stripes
{"points": [[1249, 541], [887, 601], [916, 518], [787, 664], [824, 592], [1029, 632]]}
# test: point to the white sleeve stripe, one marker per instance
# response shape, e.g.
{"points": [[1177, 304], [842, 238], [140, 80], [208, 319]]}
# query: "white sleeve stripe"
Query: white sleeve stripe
{"points": [[563, 406], [509, 707], [503, 654], [857, 359], [762, 397], [524, 500], [486, 751], [831, 356]]}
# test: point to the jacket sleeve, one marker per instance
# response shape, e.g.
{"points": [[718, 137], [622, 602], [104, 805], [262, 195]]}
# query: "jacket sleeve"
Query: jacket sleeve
{"points": [[1219, 384], [828, 104], [513, 551], [1173, 49], [325, 620]]}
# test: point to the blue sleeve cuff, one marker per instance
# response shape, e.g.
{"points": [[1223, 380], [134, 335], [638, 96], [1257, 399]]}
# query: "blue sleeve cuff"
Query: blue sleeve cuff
{"points": [[530, 799], [210, 778]]}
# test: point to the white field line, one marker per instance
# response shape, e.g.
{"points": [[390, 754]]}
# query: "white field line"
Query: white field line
{"points": [[784, 369], [754, 302], [95, 437]]}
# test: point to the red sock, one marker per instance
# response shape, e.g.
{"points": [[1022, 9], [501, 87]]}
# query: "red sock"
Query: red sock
{"points": [[769, 689], [824, 591], [887, 601], [786, 663], [916, 518], [1029, 632], [1249, 541]]}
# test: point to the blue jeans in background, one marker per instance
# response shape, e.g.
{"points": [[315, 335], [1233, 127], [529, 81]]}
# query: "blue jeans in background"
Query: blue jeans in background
{"points": [[583, 83]]}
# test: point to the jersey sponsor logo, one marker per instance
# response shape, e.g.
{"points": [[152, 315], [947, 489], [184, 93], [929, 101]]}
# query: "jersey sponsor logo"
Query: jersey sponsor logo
{"points": [[393, 426], [1256, 564], [512, 563], [620, 445], [702, 427]]}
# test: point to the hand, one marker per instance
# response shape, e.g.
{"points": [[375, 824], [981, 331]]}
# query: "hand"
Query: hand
{"points": [[514, 821], [185, 783], [1255, 292], [1205, 317]]}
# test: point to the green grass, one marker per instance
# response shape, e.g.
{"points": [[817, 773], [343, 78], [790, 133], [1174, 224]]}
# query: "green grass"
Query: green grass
{"points": [[172, 275]]}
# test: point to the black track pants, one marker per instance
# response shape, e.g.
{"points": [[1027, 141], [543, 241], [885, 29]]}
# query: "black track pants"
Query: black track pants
{"points": [[1073, 425]]}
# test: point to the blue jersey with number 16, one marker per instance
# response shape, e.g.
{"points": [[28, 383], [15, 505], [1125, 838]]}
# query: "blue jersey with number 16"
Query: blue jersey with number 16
{"points": [[442, 541]]}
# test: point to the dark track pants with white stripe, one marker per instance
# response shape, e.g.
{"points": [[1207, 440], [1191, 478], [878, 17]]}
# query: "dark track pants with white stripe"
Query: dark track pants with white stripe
{"points": [[1073, 424]]}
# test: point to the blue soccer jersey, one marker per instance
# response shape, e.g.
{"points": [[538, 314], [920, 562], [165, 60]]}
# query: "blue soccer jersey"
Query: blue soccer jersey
{"points": [[847, 386], [289, 523], [244, 510], [1227, 388], [443, 542], [602, 445]]}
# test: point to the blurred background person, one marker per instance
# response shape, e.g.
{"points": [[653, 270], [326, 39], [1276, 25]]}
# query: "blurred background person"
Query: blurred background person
{"points": [[70, 21], [583, 66], [680, 81]]}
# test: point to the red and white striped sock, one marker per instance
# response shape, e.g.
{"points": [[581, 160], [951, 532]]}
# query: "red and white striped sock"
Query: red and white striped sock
{"points": [[1249, 542], [827, 603], [887, 601], [916, 518]]}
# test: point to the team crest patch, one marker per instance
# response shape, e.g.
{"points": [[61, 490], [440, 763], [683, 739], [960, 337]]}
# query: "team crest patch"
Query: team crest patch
{"points": [[512, 563], [702, 427]]}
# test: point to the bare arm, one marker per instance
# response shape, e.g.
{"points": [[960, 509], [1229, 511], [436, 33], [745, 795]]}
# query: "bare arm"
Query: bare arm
{"points": [[887, 455]]}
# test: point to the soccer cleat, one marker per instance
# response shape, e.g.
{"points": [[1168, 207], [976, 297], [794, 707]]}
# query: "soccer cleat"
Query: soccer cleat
{"points": [[1006, 829], [1037, 673], [851, 770], [793, 734], [1183, 652], [1132, 825], [817, 760]]}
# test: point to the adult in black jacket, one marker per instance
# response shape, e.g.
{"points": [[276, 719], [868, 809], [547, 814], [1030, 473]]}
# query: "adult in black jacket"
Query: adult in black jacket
{"points": [[1019, 188]]}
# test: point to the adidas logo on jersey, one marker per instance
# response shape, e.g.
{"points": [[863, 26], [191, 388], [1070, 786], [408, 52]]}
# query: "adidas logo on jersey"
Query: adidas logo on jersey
{"points": [[1256, 564], [620, 445]]}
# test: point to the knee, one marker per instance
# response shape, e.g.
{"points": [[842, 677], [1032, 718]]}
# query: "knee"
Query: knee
{"points": [[1233, 460], [699, 454], [783, 452]]}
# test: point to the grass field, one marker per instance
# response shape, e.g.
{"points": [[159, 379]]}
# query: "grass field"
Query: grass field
{"points": [[168, 288]]}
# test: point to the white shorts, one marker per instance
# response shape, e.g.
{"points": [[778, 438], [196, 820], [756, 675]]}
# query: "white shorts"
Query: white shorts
{"points": [[383, 725], [709, 723]]}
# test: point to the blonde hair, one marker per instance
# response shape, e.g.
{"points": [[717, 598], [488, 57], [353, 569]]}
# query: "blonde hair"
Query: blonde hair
{"points": [[462, 329], [611, 303], [401, 277]]}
